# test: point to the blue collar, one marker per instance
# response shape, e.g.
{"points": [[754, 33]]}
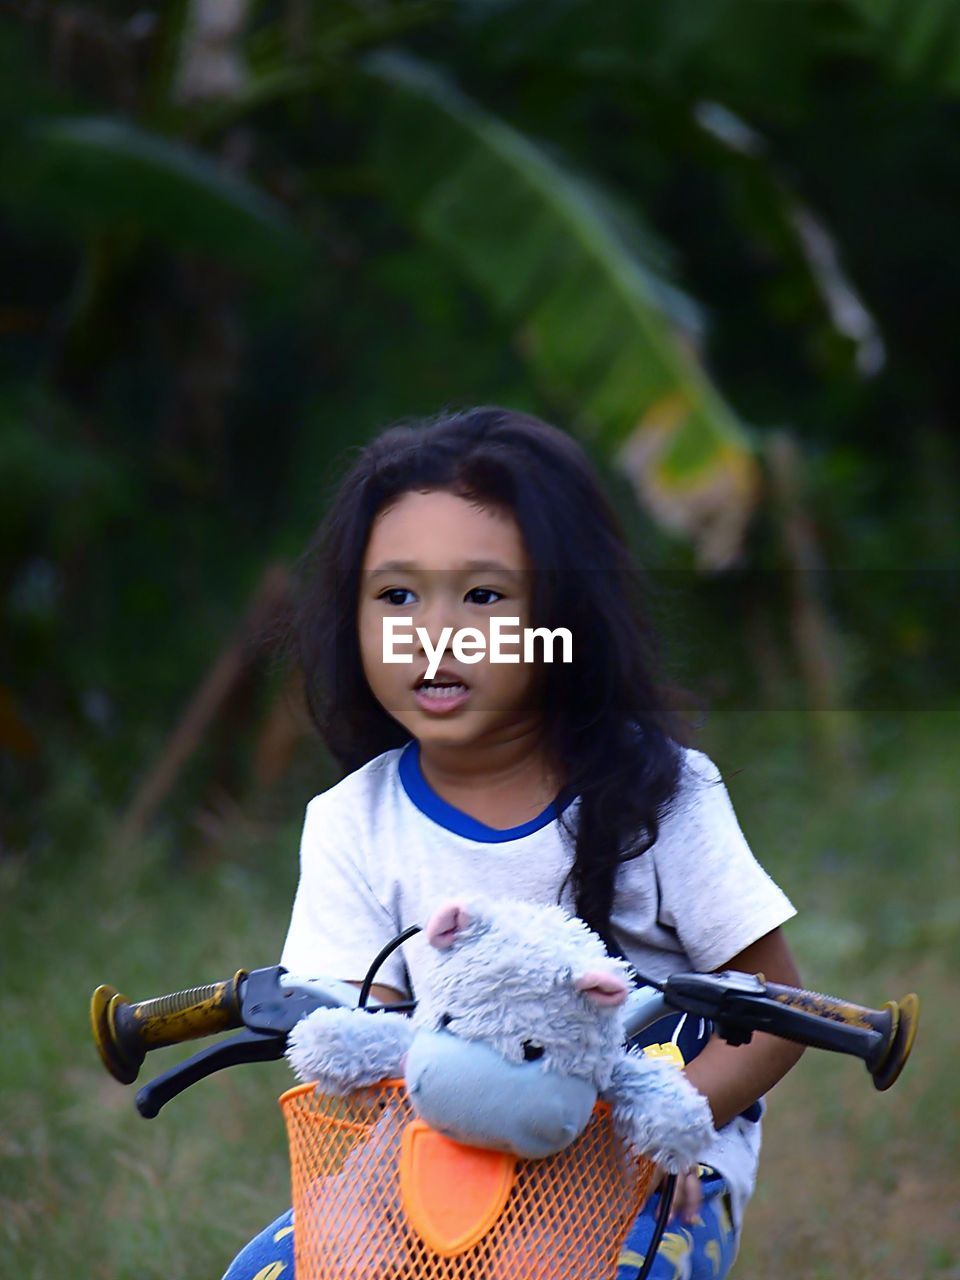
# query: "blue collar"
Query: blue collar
{"points": [[437, 809]]}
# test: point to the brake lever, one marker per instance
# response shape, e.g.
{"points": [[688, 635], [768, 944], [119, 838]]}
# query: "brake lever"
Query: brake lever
{"points": [[248, 1046], [270, 1007], [266, 1004], [739, 1004], [269, 1011]]}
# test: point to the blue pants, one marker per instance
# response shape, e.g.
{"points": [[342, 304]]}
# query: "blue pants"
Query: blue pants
{"points": [[704, 1250], [701, 1250]]}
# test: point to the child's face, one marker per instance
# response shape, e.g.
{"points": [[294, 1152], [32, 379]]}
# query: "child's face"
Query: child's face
{"points": [[443, 561]]}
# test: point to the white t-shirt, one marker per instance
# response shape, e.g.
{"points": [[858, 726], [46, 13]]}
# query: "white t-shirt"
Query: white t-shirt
{"points": [[381, 851]]}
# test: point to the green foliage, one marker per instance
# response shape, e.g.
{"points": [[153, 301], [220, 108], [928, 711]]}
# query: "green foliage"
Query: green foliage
{"points": [[82, 176], [918, 39], [707, 217], [57, 489], [667, 226], [590, 315]]}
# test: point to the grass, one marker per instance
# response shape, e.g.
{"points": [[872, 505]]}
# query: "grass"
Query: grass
{"points": [[853, 1183], [86, 1186]]}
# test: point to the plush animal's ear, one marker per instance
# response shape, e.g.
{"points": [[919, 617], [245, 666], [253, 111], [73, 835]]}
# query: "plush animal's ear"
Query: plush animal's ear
{"points": [[446, 924], [604, 989]]}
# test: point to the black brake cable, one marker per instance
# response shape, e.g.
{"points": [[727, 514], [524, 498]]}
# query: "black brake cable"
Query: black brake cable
{"points": [[659, 1226], [669, 1186], [378, 960]]}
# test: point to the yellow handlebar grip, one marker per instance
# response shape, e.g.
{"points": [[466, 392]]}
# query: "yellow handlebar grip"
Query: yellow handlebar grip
{"points": [[124, 1032]]}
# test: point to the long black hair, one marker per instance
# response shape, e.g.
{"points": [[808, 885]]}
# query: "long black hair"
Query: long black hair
{"points": [[606, 722]]}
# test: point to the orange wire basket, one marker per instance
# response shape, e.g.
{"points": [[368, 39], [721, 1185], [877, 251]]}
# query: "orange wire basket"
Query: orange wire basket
{"points": [[378, 1196]]}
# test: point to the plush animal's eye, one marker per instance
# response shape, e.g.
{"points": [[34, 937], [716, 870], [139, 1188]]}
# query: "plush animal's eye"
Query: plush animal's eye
{"points": [[531, 1051], [445, 1020]]}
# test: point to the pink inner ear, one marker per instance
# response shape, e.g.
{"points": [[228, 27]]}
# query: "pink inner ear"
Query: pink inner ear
{"points": [[444, 925], [604, 989]]}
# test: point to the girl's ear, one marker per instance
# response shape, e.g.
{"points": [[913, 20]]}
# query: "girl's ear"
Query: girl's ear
{"points": [[446, 924], [604, 989]]}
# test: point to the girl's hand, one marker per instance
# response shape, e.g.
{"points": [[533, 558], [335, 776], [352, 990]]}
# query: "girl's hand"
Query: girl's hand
{"points": [[687, 1196], [732, 1077]]}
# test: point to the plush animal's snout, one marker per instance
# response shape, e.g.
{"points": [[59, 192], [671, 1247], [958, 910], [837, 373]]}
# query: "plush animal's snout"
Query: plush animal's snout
{"points": [[468, 1092]]}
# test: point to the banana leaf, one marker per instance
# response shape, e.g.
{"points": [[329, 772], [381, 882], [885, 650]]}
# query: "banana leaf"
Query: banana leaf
{"points": [[78, 176], [592, 318]]}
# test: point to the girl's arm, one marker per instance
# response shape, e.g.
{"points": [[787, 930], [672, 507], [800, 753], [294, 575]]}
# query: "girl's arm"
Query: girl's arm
{"points": [[733, 1077], [385, 995]]}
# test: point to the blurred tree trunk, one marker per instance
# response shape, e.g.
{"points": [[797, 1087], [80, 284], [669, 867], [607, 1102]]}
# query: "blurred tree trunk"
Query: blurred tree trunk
{"points": [[212, 64], [210, 703], [815, 642]]}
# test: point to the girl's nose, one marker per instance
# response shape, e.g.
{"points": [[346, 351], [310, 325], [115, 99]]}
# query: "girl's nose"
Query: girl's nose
{"points": [[436, 613]]}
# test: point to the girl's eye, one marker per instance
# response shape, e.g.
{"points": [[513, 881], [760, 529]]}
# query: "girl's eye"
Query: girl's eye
{"points": [[532, 1052], [398, 596], [483, 595]]}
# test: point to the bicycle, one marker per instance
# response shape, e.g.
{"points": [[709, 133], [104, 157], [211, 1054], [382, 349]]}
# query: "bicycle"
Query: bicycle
{"points": [[359, 1217]]}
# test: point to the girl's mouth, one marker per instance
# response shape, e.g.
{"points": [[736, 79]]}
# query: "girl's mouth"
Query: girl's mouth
{"points": [[441, 695]]}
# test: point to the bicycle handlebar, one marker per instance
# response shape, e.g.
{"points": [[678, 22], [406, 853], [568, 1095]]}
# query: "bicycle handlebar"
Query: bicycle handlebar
{"points": [[740, 1004], [887, 1034], [268, 1003], [124, 1032], [263, 1002]]}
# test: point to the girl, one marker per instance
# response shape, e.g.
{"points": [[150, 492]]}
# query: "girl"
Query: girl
{"points": [[541, 780]]}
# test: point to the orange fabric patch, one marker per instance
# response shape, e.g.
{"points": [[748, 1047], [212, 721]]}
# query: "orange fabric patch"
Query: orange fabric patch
{"points": [[452, 1194]]}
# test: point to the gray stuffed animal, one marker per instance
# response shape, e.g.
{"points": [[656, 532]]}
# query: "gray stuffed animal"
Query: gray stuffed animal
{"points": [[519, 1031]]}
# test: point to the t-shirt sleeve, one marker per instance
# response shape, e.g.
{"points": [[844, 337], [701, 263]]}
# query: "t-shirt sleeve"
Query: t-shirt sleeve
{"points": [[714, 892], [338, 923]]}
